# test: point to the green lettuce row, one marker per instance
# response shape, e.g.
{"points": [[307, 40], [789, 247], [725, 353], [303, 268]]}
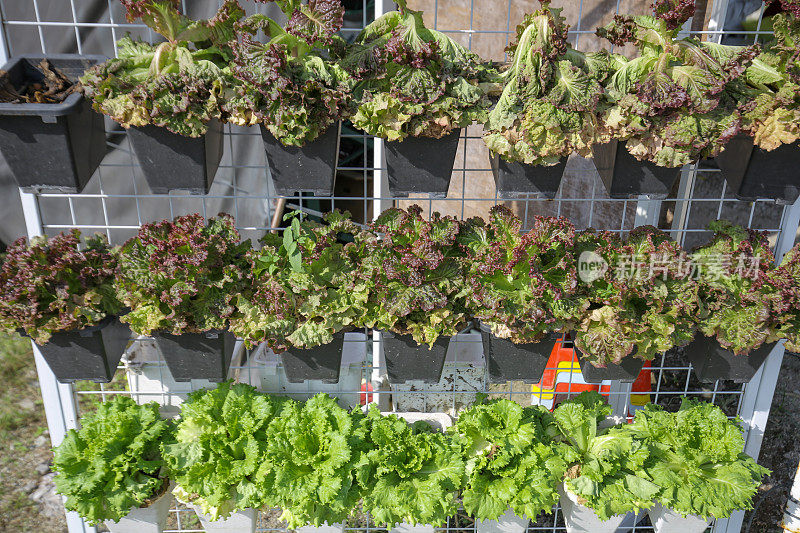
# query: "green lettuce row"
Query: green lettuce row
{"points": [[234, 448]]}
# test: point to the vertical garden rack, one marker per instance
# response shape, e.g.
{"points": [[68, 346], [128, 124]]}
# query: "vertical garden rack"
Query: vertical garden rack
{"points": [[118, 203]]}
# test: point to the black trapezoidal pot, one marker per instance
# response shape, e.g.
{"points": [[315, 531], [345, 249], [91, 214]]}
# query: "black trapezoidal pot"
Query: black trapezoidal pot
{"points": [[408, 361], [421, 164], [754, 173], [51, 146], [711, 362], [625, 176], [172, 162], [515, 179], [90, 354], [627, 370], [197, 355], [516, 362], [310, 168], [320, 362]]}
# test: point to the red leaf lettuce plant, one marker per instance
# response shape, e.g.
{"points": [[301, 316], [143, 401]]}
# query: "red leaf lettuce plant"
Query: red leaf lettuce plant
{"points": [[179, 84], [414, 81], [293, 82], [549, 104], [739, 293], [416, 276], [182, 275], [666, 102], [304, 286], [524, 286], [57, 284], [642, 303]]}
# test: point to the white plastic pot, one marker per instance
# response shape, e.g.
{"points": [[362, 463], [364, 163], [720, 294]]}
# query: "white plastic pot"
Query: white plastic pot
{"points": [[151, 519], [238, 521], [509, 522], [581, 519], [408, 528], [324, 528], [665, 520]]}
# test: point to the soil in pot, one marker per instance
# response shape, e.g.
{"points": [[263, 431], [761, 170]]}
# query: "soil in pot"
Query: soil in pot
{"points": [[320, 362], [711, 362], [49, 135], [419, 165], [626, 370], [408, 361], [243, 521], [149, 519], [666, 520], [581, 519], [515, 362], [172, 162], [754, 173], [624, 176], [310, 168], [509, 522], [197, 355], [91, 354], [518, 179]]}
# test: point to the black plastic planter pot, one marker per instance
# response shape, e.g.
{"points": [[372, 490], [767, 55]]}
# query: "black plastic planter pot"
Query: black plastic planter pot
{"points": [[197, 355], [91, 354], [421, 164], [711, 361], [310, 168], [515, 362], [51, 146], [626, 370], [625, 176], [754, 173], [172, 162], [514, 179], [321, 362], [407, 361]]}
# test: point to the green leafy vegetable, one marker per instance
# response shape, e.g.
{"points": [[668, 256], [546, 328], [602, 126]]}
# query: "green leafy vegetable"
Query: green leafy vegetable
{"points": [[609, 467], [410, 473], [113, 463], [218, 459], [698, 459], [511, 459]]}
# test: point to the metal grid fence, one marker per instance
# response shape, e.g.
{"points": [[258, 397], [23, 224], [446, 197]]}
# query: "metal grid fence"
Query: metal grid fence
{"points": [[118, 201]]}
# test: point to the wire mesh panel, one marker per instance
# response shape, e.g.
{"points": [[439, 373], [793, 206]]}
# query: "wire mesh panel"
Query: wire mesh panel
{"points": [[118, 201]]}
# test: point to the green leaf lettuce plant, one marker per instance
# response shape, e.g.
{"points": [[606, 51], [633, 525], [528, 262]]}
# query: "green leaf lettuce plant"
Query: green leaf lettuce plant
{"points": [[698, 459], [523, 285], [607, 467], [412, 81], [293, 83], [182, 275], [114, 462], [57, 284], [217, 460], [549, 107], [309, 464], [408, 473], [179, 84], [512, 461], [305, 285]]}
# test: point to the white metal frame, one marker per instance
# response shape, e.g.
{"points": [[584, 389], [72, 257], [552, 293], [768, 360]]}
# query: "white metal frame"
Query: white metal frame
{"points": [[754, 400]]}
